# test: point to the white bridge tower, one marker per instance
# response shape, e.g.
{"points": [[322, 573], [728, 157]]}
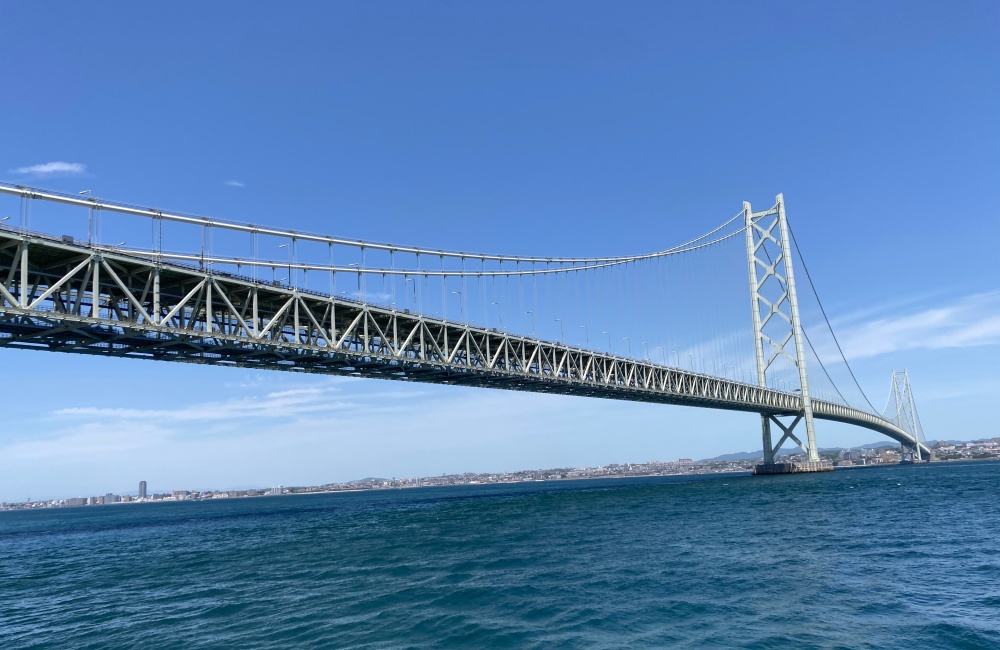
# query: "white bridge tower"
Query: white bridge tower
{"points": [[778, 331]]}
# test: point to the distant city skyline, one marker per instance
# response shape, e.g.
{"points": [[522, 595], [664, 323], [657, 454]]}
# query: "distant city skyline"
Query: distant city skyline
{"points": [[880, 452]]}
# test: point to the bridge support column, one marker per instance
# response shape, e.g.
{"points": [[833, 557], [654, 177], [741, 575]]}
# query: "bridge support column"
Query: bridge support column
{"points": [[800, 357], [771, 466], [910, 454], [776, 292], [765, 425]]}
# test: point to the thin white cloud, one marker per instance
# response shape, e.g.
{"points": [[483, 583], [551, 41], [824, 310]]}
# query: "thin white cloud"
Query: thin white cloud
{"points": [[235, 184], [291, 404], [286, 403], [53, 169], [969, 321]]}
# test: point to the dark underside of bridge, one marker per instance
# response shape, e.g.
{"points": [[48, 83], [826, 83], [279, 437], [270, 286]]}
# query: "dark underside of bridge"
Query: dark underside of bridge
{"points": [[59, 335]]}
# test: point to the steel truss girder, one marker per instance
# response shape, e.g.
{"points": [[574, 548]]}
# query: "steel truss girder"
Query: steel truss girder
{"points": [[66, 297]]}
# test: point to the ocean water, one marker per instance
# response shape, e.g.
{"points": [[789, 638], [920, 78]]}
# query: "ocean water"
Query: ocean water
{"points": [[888, 557]]}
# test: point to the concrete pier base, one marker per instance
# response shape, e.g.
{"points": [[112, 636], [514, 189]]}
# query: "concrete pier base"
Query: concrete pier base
{"points": [[792, 468]]}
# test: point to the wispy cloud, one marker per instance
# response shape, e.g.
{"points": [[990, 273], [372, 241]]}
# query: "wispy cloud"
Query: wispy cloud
{"points": [[235, 184], [57, 168], [285, 403], [322, 399], [968, 321]]}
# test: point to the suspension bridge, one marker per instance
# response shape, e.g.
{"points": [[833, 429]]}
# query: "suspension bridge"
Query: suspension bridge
{"points": [[714, 322]]}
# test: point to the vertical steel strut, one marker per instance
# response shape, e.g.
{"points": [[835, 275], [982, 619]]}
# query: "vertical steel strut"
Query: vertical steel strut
{"points": [[800, 357], [913, 414], [765, 421]]}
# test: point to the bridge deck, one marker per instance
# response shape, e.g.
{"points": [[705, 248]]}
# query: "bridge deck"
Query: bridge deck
{"points": [[61, 296]]}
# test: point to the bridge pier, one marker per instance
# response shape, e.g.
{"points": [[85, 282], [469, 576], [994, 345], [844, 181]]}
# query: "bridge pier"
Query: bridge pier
{"points": [[910, 454], [809, 466], [770, 466]]}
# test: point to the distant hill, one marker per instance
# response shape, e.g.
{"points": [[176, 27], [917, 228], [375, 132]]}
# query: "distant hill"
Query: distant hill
{"points": [[787, 451], [877, 445], [750, 455]]}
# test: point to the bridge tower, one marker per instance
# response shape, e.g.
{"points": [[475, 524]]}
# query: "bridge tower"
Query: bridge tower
{"points": [[906, 418], [776, 325]]}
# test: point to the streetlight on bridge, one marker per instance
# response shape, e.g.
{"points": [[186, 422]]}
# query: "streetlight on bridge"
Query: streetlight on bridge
{"points": [[360, 293], [289, 260], [408, 279], [90, 218]]}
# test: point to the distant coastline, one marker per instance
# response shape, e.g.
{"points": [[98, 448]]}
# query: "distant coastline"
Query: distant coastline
{"points": [[873, 455]]}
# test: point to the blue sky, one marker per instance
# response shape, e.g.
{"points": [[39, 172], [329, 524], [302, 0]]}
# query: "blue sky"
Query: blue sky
{"points": [[587, 128]]}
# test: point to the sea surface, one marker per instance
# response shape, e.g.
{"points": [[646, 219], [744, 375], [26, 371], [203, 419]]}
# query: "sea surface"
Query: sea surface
{"points": [[886, 557]]}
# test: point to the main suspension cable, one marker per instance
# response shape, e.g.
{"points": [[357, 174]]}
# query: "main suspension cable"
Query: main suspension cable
{"points": [[94, 203], [828, 325]]}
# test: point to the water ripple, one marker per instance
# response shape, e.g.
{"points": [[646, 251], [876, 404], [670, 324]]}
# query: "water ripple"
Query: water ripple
{"points": [[894, 557]]}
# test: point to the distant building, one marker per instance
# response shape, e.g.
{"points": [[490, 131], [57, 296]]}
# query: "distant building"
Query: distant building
{"points": [[142, 489], [110, 498], [685, 461]]}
